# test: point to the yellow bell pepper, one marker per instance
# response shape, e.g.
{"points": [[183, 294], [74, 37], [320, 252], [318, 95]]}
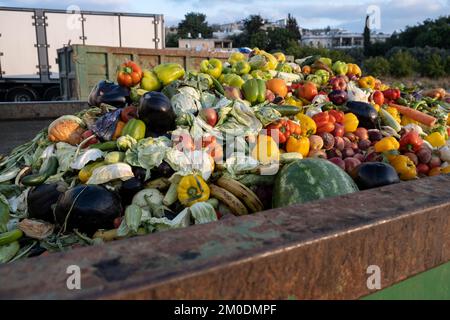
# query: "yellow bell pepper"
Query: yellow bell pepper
{"points": [[281, 58], [367, 82], [266, 150], [351, 122], [406, 120], [298, 144], [383, 87], [448, 119], [377, 107], [404, 166], [192, 189], [353, 69], [307, 124], [293, 101], [445, 170], [436, 139], [387, 144], [394, 113]]}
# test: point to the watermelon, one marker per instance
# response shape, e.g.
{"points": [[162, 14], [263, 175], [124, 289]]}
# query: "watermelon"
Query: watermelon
{"points": [[310, 179]]}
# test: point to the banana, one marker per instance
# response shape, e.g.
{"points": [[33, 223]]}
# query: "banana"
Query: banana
{"points": [[248, 197], [235, 205]]}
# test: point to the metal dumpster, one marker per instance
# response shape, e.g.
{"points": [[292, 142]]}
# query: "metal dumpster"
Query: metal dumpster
{"points": [[328, 249]]}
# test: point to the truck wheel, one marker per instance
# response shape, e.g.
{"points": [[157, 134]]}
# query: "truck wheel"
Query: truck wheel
{"points": [[52, 94], [21, 95]]}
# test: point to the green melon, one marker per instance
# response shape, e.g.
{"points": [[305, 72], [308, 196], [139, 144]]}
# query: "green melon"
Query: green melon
{"points": [[310, 179]]}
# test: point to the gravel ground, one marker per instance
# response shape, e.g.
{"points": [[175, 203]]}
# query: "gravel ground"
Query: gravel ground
{"points": [[15, 133]]}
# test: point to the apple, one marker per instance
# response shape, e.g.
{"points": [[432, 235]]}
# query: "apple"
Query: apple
{"points": [[339, 130], [210, 116], [378, 97], [338, 83]]}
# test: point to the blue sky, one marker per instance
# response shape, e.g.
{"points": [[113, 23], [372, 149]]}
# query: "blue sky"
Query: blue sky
{"points": [[348, 14]]}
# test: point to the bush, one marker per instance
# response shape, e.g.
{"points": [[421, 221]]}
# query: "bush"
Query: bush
{"points": [[402, 64], [377, 66], [294, 49], [433, 66]]}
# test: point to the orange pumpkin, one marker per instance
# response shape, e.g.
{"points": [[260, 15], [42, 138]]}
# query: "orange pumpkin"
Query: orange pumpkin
{"points": [[277, 86]]}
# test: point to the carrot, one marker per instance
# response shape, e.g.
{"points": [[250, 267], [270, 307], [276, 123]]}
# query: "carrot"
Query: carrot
{"points": [[415, 115]]}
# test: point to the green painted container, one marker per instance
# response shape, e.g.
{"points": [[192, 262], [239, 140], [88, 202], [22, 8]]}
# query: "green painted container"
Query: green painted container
{"points": [[433, 284], [81, 67]]}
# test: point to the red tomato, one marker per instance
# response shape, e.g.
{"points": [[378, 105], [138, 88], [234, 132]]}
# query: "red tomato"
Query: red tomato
{"points": [[338, 115], [308, 91]]}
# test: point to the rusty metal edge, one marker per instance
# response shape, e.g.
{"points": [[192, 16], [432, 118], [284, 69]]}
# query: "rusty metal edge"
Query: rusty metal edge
{"points": [[302, 251]]}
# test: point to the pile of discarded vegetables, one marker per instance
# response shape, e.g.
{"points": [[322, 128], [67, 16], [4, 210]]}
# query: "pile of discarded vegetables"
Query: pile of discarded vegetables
{"points": [[165, 148]]}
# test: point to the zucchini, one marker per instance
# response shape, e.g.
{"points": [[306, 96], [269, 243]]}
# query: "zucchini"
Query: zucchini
{"points": [[8, 251], [39, 178], [10, 236], [389, 120], [287, 110], [105, 146], [4, 216], [218, 86]]}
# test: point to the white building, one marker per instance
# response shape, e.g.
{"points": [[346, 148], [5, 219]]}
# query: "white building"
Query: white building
{"points": [[338, 38]]}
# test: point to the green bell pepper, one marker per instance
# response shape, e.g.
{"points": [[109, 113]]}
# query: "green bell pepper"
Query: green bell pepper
{"points": [[169, 72], [315, 79], [241, 67], [213, 67], [340, 67], [233, 80], [150, 81], [134, 128], [236, 57], [254, 91], [323, 74]]}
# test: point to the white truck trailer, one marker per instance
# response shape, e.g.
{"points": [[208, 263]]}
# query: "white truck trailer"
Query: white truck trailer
{"points": [[30, 38]]}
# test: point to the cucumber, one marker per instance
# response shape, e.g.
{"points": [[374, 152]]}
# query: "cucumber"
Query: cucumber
{"points": [[39, 178], [105, 146], [8, 251], [389, 120], [10, 236], [287, 110]]}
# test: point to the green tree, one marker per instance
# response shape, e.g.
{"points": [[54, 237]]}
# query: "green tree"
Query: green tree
{"points": [[278, 38], [172, 40], [402, 64], [194, 24], [253, 24], [259, 40], [433, 66], [366, 36], [293, 28]]}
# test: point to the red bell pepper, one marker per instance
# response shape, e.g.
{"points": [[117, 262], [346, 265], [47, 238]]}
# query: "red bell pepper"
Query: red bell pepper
{"points": [[411, 141], [129, 74], [283, 129], [338, 115], [324, 122], [391, 94]]}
